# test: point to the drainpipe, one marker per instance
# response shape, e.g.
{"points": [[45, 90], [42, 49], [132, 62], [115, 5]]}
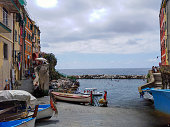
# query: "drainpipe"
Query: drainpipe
{"points": [[168, 33], [13, 40]]}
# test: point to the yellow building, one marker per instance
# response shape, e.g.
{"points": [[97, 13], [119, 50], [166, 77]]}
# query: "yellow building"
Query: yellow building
{"points": [[8, 8], [18, 41], [6, 42]]}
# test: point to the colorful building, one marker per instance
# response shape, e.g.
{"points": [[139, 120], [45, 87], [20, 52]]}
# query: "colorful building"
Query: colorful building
{"points": [[18, 42], [36, 41], [28, 41], [164, 38], [7, 11]]}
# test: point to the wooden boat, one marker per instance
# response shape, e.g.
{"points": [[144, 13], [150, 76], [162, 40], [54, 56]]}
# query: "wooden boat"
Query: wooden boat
{"points": [[78, 98], [46, 111], [29, 122], [26, 122], [88, 91], [12, 109]]}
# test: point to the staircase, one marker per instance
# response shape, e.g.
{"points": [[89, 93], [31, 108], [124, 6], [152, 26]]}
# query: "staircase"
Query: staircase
{"points": [[158, 80]]}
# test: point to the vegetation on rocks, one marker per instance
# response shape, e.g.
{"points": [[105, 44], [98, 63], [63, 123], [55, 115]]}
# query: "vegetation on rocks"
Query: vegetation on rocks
{"points": [[53, 74]]}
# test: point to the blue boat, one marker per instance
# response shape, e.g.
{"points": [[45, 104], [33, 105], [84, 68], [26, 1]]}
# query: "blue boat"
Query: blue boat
{"points": [[162, 100], [29, 122]]}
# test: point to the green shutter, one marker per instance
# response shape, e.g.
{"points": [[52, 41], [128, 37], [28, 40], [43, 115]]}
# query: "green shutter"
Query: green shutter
{"points": [[23, 2]]}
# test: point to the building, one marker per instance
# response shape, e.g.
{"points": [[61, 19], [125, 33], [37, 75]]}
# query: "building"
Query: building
{"points": [[7, 11], [36, 41], [164, 32], [28, 41], [19, 41], [18, 44]]}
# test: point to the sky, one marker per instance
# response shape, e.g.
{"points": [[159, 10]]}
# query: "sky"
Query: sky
{"points": [[85, 34]]}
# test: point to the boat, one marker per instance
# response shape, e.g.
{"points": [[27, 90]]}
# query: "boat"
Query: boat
{"points": [[161, 100], [44, 111], [29, 122], [77, 98], [12, 109], [14, 104], [146, 93], [88, 91], [26, 122]]}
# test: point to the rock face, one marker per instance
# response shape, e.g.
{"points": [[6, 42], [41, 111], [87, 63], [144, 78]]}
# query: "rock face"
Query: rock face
{"points": [[42, 77], [65, 85], [109, 76]]}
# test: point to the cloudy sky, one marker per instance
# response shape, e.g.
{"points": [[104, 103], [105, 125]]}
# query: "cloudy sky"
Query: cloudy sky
{"points": [[99, 33]]}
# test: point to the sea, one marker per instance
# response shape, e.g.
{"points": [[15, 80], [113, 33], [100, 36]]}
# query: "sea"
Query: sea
{"points": [[122, 93]]}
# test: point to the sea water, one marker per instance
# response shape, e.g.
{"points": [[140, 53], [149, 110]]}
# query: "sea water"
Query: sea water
{"points": [[120, 92]]}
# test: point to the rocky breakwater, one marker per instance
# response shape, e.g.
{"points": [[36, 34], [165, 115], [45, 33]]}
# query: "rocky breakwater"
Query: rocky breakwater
{"points": [[64, 85], [103, 76]]}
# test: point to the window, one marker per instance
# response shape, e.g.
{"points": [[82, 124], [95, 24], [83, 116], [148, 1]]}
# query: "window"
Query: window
{"points": [[28, 24], [19, 40], [5, 16], [15, 36], [5, 51]]}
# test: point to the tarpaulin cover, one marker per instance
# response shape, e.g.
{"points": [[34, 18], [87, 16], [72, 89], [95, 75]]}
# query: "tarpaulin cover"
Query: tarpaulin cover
{"points": [[19, 95]]}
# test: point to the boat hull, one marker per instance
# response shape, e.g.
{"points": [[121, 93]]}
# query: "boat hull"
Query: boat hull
{"points": [[162, 100], [44, 111], [30, 122], [77, 98]]}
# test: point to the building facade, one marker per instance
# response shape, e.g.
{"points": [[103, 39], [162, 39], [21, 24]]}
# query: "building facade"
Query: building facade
{"points": [[164, 32], [7, 10], [16, 41], [28, 42], [36, 41]]}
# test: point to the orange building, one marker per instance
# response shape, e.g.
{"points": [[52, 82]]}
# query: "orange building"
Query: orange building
{"points": [[28, 42]]}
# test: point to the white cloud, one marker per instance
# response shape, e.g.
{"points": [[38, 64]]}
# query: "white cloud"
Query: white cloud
{"points": [[92, 26], [144, 43]]}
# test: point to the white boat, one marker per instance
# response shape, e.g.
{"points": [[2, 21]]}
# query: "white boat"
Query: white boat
{"points": [[46, 110], [78, 98], [88, 91]]}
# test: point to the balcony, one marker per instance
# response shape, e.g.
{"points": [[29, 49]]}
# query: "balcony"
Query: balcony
{"points": [[5, 22]]}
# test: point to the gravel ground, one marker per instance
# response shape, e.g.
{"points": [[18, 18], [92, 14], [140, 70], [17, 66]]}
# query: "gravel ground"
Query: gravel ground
{"points": [[74, 115]]}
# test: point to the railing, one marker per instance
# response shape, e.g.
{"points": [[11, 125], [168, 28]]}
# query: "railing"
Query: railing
{"points": [[6, 19]]}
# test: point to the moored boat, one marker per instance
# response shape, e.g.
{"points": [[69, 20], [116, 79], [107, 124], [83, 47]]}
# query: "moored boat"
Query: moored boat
{"points": [[46, 111], [78, 98], [161, 100], [29, 122], [88, 91], [25, 122], [19, 97]]}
